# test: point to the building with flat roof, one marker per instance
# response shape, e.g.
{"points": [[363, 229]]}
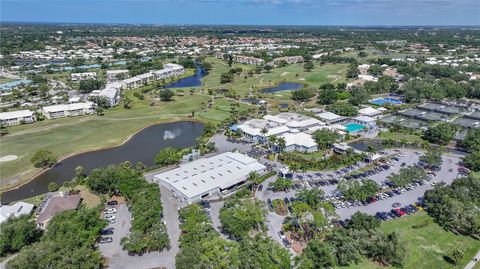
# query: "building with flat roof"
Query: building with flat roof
{"points": [[83, 76], [331, 118], [116, 74], [277, 125], [17, 117], [369, 111], [68, 110], [193, 181]]}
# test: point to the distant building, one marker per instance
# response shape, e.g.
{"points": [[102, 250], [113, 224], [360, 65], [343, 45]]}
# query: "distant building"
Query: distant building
{"points": [[248, 60], [288, 60], [68, 110], [116, 74], [16, 210], [193, 181], [14, 84], [331, 118], [17, 117], [369, 111], [54, 204], [83, 76]]}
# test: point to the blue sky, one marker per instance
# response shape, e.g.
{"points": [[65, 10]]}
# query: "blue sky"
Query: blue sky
{"points": [[254, 12]]}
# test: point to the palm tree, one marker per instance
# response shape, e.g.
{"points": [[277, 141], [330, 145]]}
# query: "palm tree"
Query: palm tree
{"points": [[293, 167], [371, 151], [272, 140], [253, 178], [264, 132], [281, 144], [403, 141]]}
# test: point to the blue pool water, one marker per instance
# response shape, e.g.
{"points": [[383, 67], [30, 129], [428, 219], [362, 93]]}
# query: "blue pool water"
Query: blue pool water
{"points": [[284, 86], [354, 127], [382, 101]]}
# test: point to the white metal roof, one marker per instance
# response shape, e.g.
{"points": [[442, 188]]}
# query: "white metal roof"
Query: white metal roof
{"points": [[369, 111], [15, 114], [329, 116], [67, 107], [364, 119], [299, 139], [18, 209], [206, 174]]}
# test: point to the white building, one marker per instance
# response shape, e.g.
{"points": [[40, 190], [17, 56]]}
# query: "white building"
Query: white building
{"points": [[192, 181], [116, 74], [301, 142], [365, 120], [17, 117], [331, 118], [68, 110], [16, 210], [170, 70], [111, 92], [369, 111], [83, 76]]}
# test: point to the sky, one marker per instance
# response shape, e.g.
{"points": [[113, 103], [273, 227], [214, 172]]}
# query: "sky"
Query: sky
{"points": [[246, 12]]}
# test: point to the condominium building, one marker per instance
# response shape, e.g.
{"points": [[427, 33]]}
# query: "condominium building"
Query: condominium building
{"points": [[16, 117], [288, 60], [68, 110], [248, 60], [116, 74], [83, 76]]}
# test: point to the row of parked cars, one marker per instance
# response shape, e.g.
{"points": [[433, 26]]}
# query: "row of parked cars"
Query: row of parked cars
{"points": [[400, 211], [109, 215]]}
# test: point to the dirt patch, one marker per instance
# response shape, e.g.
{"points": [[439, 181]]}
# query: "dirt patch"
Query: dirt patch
{"points": [[284, 74]]}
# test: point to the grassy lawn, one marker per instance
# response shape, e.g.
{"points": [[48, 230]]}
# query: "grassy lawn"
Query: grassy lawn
{"points": [[72, 135], [409, 138], [292, 73], [6, 80], [427, 246]]}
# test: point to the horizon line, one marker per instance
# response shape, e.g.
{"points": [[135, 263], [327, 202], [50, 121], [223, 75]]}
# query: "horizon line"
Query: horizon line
{"points": [[261, 25]]}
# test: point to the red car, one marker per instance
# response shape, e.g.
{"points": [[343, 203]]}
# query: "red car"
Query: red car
{"points": [[402, 213]]}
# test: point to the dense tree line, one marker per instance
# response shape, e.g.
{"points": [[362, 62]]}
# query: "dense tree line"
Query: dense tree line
{"points": [[202, 247], [17, 232], [355, 190], [441, 133], [455, 207], [68, 243], [89, 85], [148, 233], [407, 175], [240, 217], [360, 239]]}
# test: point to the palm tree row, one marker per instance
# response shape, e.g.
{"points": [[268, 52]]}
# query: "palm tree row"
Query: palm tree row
{"points": [[279, 143]]}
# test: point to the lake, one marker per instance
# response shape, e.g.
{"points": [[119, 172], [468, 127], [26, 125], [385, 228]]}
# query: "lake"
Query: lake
{"points": [[142, 147], [191, 81], [284, 86]]}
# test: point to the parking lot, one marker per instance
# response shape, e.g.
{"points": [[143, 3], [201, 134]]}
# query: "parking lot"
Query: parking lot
{"points": [[118, 258], [447, 174]]}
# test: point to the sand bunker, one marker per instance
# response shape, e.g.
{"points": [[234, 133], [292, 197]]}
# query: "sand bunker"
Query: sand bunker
{"points": [[8, 158]]}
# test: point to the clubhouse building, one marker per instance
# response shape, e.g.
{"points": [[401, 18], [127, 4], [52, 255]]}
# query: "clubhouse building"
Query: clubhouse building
{"points": [[193, 181]]}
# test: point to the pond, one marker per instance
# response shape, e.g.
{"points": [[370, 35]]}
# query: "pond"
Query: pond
{"points": [[284, 86], [191, 81], [142, 147]]}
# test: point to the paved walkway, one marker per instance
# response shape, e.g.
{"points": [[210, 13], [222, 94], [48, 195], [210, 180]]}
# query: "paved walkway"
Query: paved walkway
{"points": [[474, 261]]}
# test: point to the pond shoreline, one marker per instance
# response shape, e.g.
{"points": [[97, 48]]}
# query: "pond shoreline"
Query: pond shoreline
{"points": [[62, 158]]}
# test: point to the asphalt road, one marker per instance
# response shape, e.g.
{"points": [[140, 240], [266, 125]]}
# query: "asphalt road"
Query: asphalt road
{"points": [[119, 259]]}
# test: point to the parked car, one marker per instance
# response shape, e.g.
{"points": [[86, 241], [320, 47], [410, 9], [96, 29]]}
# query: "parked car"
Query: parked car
{"points": [[396, 204], [286, 243], [281, 234], [260, 188], [104, 240], [106, 232], [110, 211], [112, 202], [109, 217]]}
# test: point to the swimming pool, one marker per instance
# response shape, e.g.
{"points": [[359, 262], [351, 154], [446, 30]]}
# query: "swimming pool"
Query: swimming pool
{"points": [[354, 127], [382, 101]]}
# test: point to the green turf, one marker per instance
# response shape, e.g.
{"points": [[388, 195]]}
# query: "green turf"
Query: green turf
{"points": [[427, 246], [409, 138]]}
